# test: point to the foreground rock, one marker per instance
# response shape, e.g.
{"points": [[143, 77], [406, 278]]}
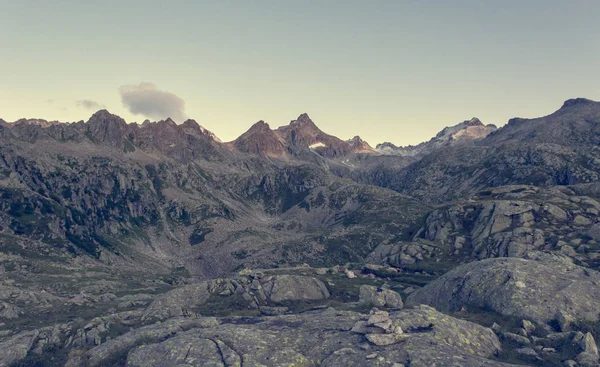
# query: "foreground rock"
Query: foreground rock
{"points": [[539, 289], [317, 338]]}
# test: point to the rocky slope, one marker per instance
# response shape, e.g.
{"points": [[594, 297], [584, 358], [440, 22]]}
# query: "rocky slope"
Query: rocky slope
{"points": [[558, 149]]}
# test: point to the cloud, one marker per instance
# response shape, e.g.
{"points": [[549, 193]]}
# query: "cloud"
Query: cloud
{"points": [[89, 104], [147, 100]]}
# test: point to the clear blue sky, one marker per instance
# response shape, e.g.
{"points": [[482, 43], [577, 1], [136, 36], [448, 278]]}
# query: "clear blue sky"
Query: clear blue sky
{"points": [[394, 71]]}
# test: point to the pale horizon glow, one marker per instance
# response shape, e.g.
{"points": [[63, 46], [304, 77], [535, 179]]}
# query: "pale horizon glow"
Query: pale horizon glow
{"points": [[397, 71]]}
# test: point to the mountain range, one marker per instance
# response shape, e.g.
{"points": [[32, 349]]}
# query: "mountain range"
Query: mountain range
{"points": [[104, 217]]}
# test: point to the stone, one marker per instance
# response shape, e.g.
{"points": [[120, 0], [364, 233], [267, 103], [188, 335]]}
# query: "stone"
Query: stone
{"points": [[321, 271], [528, 326], [588, 348], [564, 320], [580, 220], [385, 339], [527, 352], [374, 296], [515, 338], [378, 317]]}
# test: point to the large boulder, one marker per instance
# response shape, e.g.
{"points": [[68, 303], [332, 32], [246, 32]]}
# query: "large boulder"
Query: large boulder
{"points": [[16, 348], [251, 291], [293, 288], [537, 289]]}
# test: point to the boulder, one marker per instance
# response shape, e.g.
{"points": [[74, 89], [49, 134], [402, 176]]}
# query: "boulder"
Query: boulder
{"points": [[16, 348], [294, 288], [378, 297], [531, 289], [254, 291]]}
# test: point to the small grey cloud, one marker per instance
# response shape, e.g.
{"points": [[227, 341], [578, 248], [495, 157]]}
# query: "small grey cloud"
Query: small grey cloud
{"points": [[147, 100], [89, 104]]}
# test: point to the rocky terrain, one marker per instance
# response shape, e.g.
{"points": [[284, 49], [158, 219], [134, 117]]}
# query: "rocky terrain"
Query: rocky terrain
{"points": [[156, 244]]}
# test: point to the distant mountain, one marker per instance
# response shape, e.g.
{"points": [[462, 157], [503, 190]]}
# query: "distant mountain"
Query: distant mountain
{"points": [[172, 195], [360, 146], [466, 131], [558, 149], [302, 134], [261, 140]]}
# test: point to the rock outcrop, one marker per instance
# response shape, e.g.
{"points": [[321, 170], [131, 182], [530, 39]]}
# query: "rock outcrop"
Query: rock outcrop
{"points": [[537, 289], [252, 291]]}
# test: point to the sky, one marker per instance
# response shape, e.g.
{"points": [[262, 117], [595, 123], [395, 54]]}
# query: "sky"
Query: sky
{"points": [[397, 70]]}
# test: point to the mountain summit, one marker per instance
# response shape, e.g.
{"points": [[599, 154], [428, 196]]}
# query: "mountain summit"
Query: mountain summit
{"points": [[261, 140], [302, 134], [464, 132]]}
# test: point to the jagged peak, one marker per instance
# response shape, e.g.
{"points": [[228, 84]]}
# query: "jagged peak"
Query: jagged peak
{"points": [[103, 117], [191, 124], [36, 122], [473, 122], [303, 121], [170, 121], [103, 114], [303, 117], [356, 140], [386, 144], [260, 126]]}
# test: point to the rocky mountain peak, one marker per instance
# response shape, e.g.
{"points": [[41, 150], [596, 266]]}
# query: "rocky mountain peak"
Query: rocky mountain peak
{"points": [[194, 128], [35, 122], [260, 126], [474, 122], [576, 102], [360, 146], [103, 115], [304, 123], [355, 139], [468, 130], [261, 140], [170, 121], [190, 123], [106, 127]]}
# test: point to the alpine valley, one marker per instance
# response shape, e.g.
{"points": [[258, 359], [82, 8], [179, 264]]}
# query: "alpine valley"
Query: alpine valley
{"points": [[157, 244]]}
